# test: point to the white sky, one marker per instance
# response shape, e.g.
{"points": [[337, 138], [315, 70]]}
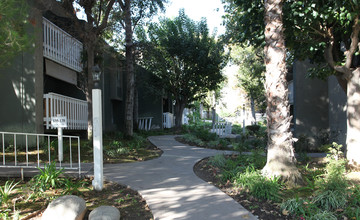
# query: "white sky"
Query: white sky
{"points": [[212, 10]]}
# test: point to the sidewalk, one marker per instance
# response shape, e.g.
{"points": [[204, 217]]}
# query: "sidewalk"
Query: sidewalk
{"points": [[170, 187]]}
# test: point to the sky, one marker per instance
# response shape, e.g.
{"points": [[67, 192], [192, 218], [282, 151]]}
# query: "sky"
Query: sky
{"points": [[212, 10]]}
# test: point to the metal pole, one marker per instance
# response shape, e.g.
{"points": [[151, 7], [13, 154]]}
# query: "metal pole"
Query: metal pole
{"points": [[97, 140]]}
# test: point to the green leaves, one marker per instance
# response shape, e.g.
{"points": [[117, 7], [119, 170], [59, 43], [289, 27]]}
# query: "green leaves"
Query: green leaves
{"points": [[184, 57], [14, 21]]}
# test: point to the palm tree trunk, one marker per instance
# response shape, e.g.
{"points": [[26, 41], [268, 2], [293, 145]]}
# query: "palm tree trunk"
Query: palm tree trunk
{"points": [[129, 104], [280, 156]]}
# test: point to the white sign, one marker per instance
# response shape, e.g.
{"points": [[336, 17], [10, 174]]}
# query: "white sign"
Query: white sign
{"points": [[59, 122]]}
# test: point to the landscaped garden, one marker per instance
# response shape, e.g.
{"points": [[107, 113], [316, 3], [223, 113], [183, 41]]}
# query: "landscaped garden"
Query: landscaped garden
{"points": [[28, 198], [325, 193]]}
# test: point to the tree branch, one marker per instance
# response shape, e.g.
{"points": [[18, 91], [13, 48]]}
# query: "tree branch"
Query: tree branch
{"points": [[106, 16], [354, 43], [328, 55]]}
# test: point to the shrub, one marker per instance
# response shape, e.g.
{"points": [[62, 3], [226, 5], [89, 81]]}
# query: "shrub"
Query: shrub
{"points": [[258, 185], [49, 177], [330, 200], [322, 215], [5, 191], [298, 207]]}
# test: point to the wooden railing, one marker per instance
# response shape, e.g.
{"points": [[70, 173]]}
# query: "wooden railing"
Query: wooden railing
{"points": [[145, 123], [75, 110], [168, 120], [61, 47]]}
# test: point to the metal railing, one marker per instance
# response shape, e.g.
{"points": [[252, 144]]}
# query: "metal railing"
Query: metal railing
{"points": [[29, 150], [144, 123], [61, 47], [75, 110]]}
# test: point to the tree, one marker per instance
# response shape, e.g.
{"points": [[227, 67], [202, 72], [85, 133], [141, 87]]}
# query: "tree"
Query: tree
{"points": [[129, 14], [323, 31], [13, 23], [185, 58], [280, 157], [97, 15], [251, 74]]}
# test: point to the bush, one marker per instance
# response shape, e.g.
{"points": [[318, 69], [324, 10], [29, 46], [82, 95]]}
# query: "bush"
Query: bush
{"points": [[330, 200], [323, 215], [49, 177], [258, 185], [298, 207]]}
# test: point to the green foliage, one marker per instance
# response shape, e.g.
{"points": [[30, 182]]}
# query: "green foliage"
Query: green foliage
{"points": [[334, 177], [14, 22], [73, 186], [184, 57], [6, 191], [251, 73], [299, 207], [322, 215], [258, 185], [49, 177], [308, 27], [330, 199]]}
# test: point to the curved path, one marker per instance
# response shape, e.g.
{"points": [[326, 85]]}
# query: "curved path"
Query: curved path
{"points": [[170, 187]]}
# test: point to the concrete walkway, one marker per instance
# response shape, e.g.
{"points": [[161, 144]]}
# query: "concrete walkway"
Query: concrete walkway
{"points": [[170, 187]]}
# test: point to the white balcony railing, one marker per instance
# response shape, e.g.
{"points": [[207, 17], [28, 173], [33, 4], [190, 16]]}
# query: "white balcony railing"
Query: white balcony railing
{"points": [[61, 47], [168, 120], [75, 110]]}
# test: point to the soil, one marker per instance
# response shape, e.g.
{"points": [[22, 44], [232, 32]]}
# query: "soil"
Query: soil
{"points": [[129, 202], [266, 210]]}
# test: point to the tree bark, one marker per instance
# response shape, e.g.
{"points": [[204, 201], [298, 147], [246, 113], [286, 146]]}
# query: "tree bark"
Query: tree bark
{"points": [[252, 103], [90, 63], [353, 119], [280, 154], [179, 109], [129, 104]]}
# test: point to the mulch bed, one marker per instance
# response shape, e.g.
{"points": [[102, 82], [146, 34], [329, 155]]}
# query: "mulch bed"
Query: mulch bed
{"points": [[266, 210]]}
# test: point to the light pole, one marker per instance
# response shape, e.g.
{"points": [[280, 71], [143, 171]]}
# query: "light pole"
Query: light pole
{"points": [[97, 130]]}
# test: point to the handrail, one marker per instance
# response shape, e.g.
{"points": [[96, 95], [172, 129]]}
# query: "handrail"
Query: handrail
{"points": [[14, 142]]}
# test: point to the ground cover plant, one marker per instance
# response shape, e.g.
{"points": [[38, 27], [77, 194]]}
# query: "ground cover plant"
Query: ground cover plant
{"points": [[326, 193], [20, 198], [28, 198]]}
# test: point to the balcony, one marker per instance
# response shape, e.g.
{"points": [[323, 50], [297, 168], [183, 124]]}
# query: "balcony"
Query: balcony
{"points": [[75, 110], [61, 47]]}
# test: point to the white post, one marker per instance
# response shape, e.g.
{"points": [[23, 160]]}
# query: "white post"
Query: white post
{"points": [[60, 144], [97, 140]]}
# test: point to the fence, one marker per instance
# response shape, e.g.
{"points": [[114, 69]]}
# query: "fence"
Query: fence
{"points": [[168, 120], [222, 128], [75, 110], [145, 123], [28, 150], [61, 46]]}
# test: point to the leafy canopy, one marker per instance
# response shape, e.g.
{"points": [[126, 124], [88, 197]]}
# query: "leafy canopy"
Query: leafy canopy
{"points": [[310, 27], [251, 72], [14, 19], [185, 58]]}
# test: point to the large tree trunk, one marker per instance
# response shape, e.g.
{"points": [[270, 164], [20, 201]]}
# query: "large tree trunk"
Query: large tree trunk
{"points": [[129, 104], [280, 154], [353, 119], [90, 63], [179, 109], [252, 104]]}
